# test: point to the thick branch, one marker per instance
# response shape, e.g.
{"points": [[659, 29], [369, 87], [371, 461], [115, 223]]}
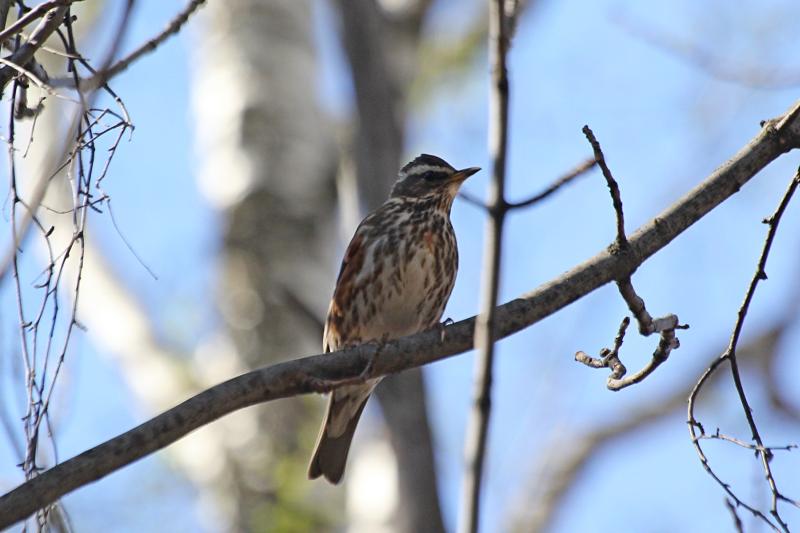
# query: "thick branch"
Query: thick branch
{"points": [[316, 373], [50, 21], [28, 17]]}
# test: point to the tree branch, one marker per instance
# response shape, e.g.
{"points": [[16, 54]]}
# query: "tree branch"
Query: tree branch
{"points": [[50, 21], [30, 16], [573, 174], [613, 187], [565, 459], [478, 426], [764, 453], [317, 373], [551, 189], [101, 77], [647, 325]]}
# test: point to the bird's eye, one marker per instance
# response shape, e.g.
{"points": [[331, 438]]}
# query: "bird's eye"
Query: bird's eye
{"points": [[429, 175]]}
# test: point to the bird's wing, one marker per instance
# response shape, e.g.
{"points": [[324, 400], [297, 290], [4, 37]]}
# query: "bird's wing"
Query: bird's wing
{"points": [[334, 335]]}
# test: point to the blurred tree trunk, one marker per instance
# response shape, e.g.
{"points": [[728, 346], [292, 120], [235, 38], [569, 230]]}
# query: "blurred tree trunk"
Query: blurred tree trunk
{"points": [[381, 48], [268, 163]]}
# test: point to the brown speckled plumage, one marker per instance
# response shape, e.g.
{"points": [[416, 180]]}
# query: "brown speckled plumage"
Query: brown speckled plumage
{"points": [[395, 280]]}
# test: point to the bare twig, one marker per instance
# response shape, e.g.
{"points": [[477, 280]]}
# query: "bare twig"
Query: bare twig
{"points": [[478, 425], [666, 344], [647, 325], [102, 76], [30, 75], [551, 189], [44, 352], [696, 430], [613, 188], [636, 306], [576, 172], [610, 358], [68, 151], [472, 200], [567, 458], [737, 522], [766, 449], [292, 377]]}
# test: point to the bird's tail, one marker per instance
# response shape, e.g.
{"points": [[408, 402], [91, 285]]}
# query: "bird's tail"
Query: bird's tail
{"points": [[330, 454]]}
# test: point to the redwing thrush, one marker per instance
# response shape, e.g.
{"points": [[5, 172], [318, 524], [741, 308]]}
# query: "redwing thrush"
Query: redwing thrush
{"points": [[395, 279]]}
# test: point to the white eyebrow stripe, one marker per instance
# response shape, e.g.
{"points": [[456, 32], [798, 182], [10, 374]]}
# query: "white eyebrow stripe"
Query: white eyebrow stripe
{"points": [[421, 169]]}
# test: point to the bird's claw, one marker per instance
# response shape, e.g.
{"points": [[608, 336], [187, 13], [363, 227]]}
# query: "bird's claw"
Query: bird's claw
{"points": [[442, 325], [365, 373]]}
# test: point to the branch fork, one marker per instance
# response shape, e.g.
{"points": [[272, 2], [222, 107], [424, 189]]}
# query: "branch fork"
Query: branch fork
{"points": [[665, 326]]}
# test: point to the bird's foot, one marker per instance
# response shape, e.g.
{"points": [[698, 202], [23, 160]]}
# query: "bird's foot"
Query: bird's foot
{"points": [[380, 344], [441, 326]]}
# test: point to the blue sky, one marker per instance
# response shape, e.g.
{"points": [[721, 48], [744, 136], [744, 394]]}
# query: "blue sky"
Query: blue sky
{"points": [[664, 124]]}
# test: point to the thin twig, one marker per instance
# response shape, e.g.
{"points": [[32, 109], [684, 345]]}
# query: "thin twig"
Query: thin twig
{"points": [[666, 344], [473, 200], [40, 187], [737, 522], [44, 363], [610, 358], [577, 172], [566, 459], [636, 306], [30, 75], [747, 445], [478, 426], [102, 76], [760, 274], [613, 187], [695, 426], [764, 453]]}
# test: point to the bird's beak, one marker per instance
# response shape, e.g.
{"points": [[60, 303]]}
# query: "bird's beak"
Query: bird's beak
{"points": [[463, 174]]}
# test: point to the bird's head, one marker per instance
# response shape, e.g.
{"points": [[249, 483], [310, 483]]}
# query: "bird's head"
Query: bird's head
{"points": [[430, 176]]}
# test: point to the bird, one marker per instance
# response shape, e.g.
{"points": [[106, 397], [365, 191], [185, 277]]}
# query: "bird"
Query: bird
{"points": [[396, 277]]}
